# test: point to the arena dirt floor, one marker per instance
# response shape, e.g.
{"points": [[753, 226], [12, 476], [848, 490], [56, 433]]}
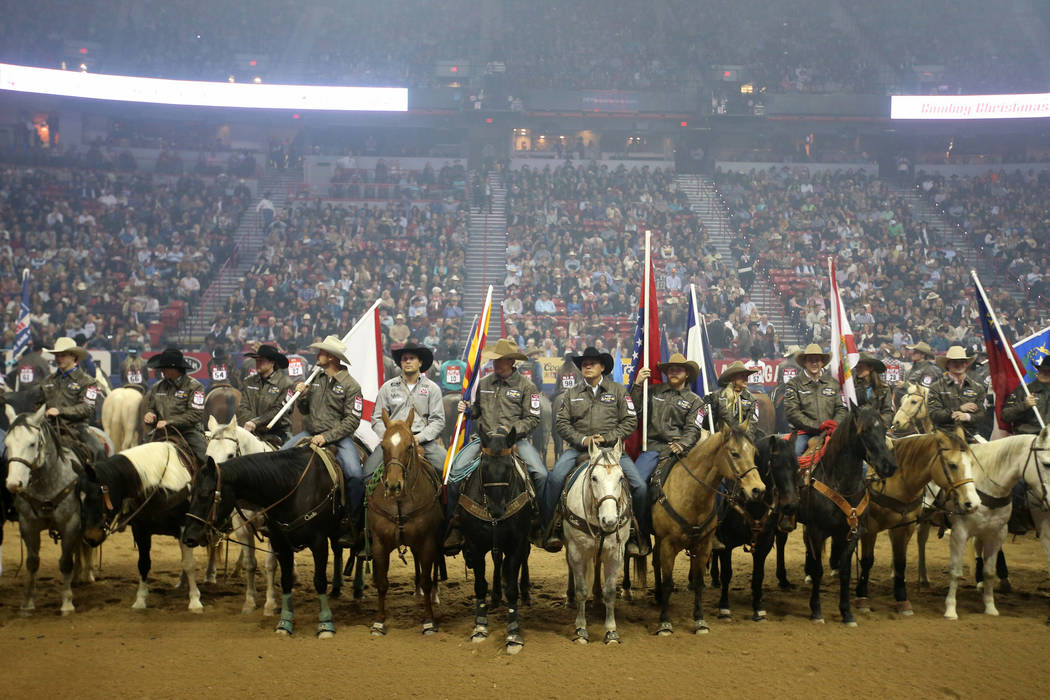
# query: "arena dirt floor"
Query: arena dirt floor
{"points": [[107, 650]]}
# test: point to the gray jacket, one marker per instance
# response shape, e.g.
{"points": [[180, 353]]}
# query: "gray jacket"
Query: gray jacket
{"points": [[395, 397]]}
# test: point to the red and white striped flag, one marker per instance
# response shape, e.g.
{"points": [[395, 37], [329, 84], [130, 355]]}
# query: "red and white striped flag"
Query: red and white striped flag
{"points": [[844, 353], [364, 346]]}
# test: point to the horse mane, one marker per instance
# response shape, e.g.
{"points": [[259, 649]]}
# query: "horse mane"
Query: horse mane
{"points": [[993, 456], [267, 470], [158, 465]]}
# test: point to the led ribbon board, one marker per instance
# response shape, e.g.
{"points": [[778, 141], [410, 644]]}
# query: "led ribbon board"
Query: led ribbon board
{"points": [[1030, 106]]}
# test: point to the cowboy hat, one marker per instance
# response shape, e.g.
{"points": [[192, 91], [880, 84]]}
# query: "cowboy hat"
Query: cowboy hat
{"points": [[1041, 363], [425, 355], [792, 350], [812, 349], [68, 345], [504, 349], [592, 353], [955, 352], [921, 346], [169, 358], [733, 370], [334, 347], [875, 363], [678, 360], [271, 353]]}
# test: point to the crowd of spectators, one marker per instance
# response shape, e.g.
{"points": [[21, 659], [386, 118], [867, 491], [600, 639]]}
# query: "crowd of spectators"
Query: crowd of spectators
{"points": [[108, 251]]}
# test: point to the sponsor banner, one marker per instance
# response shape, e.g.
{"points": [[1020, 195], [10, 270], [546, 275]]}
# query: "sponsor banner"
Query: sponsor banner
{"points": [[1027, 106]]}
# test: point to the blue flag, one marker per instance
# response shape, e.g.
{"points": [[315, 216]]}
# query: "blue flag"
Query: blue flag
{"points": [[1031, 350], [617, 372], [22, 334], [698, 349]]}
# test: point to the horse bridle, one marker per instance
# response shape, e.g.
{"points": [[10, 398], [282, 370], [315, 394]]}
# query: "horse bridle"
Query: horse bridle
{"points": [[38, 460], [913, 417], [953, 486], [43, 508]]}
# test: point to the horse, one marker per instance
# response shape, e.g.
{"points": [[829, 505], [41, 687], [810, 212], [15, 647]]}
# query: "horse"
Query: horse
{"points": [[1001, 464], [300, 500], [497, 504], [833, 501], [596, 508], [755, 524], [684, 512], [767, 413], [221, 403], [912, 412], [404, 511], [148, 488], [43, 477], [896, 503], [121, 418]]}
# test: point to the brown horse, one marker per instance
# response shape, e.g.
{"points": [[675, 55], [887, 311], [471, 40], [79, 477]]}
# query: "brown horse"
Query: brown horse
{"points": [[896, 502], [221, 402], [404, 511], [684, 513]]}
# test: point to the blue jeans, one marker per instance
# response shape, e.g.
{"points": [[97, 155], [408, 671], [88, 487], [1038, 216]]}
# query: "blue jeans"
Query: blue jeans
{"points": [[350, 463], [562, 468], [646, 465], [533, 462], [801, 443]]}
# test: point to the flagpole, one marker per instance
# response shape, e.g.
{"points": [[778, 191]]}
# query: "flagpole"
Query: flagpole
{"points": [[703, 364], [317, 370], [645, 336], [479, 333], [1006, 345]]}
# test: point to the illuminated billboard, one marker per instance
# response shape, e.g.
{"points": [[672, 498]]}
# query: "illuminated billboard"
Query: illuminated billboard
{"points": [[1031, 106], [194, 93]]}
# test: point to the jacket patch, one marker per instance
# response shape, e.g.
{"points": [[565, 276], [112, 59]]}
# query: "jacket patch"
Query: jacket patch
{"points": [[513, 394], [198, 399], [608, 398], [827, 391], [699, 420], [423, 391], [91, 394], [289, 395], [181, 394], [274, 390], [630, 404], [568, 381], [682, 404], [359, 404], [338, 390]]}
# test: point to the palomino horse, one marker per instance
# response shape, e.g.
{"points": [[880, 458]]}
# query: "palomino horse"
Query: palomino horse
{"points": [[121, 417], [896, 502], [912, 416], [301, 502], [404, 511], [147, 487], [497, 505], [1000, 465], [596, 509], [755, 524], [833, 503], [684, 513], [43, 477]]}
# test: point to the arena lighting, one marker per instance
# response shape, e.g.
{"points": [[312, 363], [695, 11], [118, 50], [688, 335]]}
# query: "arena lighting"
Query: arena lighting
{"points": [[193, 93], [1027, 106]]}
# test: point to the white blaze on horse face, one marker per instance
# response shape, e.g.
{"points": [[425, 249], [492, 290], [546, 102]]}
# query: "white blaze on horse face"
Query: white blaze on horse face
{"points": [[393, 439]]}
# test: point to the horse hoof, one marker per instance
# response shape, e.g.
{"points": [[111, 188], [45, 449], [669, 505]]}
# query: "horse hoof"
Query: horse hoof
{"points": [[612, 637], [700, 627], [581, 636], [248, 608], [809, 579], [429, 628], [325, 630], [1004, 586], [378, 629], [139, 605], [284, 628], [514, 643], [665, 630], [725, 614], [197, 609], [904, 607], [786, 585], [759, 616], [269, 612], [480, 634], [282, 633], [817, 620], [992, 611], [849, 623], [862, 605], [980, 585], [325, 635], [951, 616]]}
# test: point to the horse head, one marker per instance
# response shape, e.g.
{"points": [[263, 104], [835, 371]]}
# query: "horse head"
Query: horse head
{"points": [[865, 430], [28, 448], [94, 507], [607, 484], [209, 505], [779, 473], [953, 469], [399, 449], [735, 459], [497, 467], [912, 411], [223, 439]]}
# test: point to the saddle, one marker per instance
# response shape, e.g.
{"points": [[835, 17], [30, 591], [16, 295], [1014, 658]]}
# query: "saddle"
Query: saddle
{"points": [[328, 458], [473, 500]]}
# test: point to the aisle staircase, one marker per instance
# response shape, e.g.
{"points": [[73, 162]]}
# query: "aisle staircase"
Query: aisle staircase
{"points": [[487, 261]]}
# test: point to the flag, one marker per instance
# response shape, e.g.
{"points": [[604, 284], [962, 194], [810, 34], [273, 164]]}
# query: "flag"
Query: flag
{"points": [[1031, 350], [648, 347], [472, 356], [22, 333], [364, 346], [1005, 375], [698, 348], [617, 372], [844, 353]]}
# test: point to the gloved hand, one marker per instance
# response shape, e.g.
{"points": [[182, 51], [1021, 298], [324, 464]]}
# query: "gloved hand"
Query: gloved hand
{"points": [[829, 425]]}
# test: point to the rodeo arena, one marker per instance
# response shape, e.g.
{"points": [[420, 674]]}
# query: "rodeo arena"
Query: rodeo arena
{"points": [[503, 348]]}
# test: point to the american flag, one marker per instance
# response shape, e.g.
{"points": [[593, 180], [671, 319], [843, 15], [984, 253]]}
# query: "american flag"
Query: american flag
{"points": [[22, 334]]}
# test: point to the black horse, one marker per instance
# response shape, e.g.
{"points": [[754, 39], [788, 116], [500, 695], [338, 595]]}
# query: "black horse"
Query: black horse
{"points": [[497, 512], [834, 501], [302, 508], [755, 524]]}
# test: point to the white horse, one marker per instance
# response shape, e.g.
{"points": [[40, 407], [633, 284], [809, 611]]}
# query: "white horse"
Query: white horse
{"points": [[226, 441], [597, 521], [42, 476], [120, 417], [146, 487], [1000, 465]]}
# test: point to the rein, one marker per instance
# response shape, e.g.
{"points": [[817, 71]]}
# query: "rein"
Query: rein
{"points": [[44, 509], [400, 519]]}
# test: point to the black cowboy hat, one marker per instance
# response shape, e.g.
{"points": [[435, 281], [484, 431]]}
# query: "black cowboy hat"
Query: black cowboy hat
{"points": [[170, 357], [875, 363], [592, 353], [425, 355], [271, 353], [1041, 363], [218, 352]]}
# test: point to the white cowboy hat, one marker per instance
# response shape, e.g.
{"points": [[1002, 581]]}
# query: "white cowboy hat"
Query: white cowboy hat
{"points": [[334, 347], [68, 345], [955, 352]]}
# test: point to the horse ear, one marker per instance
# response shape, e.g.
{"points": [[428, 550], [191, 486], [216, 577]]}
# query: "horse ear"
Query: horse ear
{"points": [[618, 450], [212, 424], [386, 418], [233, 421], [411, 418], [38, 416]]}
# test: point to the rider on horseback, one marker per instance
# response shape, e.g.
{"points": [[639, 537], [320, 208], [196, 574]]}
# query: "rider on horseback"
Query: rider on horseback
{"points": [[1020, 409], [70, 395], [133, 370], [505, 401], [264, 394], [923, 371], [813, 399], [596, 411], [871, 389], [957, 399], [733, 403], [676, 421], [175, 404]]}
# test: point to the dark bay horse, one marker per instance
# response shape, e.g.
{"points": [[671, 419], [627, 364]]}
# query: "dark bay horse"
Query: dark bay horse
{"points": [[755, 524], [498, 506], [302, 507], [221, 402], [404, 512], [834, 501]]}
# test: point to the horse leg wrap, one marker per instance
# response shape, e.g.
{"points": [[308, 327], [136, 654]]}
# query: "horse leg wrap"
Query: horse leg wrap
{"points": [[429, 628], [378, 629], [665, 629], [326, 612], [612, 637], [581, 635], [287, 615]]}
